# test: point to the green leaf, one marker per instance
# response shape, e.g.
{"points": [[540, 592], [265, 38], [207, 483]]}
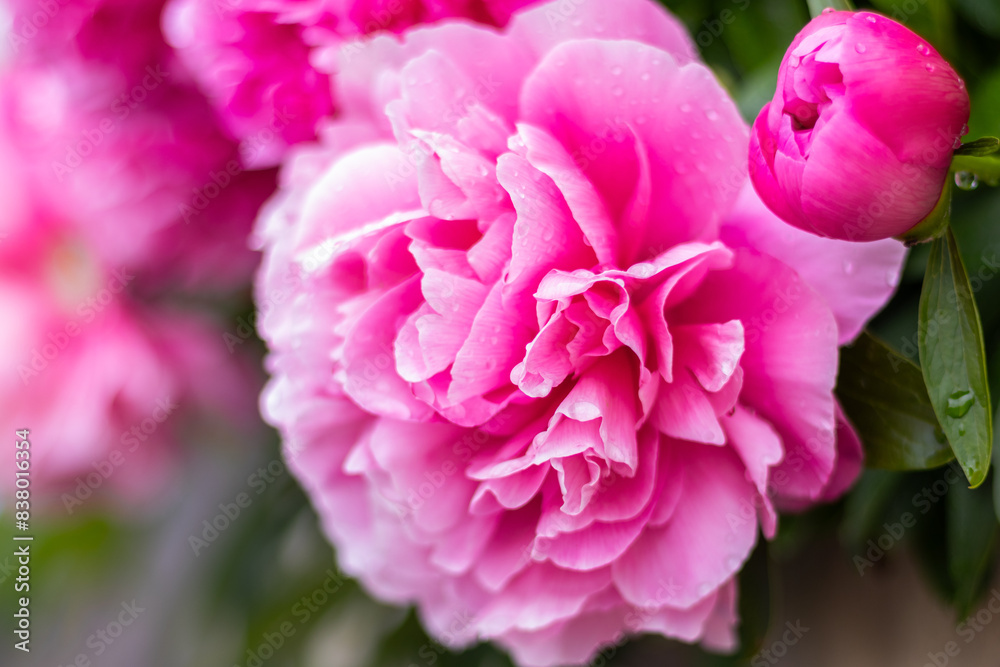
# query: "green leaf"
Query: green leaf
{"points": [[979, 147], [953, 359], [885, 399], [996, 463], [816, 7], [755, 600], [986, 168], [972, 533]]}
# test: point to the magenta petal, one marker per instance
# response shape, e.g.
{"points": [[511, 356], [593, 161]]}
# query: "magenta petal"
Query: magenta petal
{"points": [[855, 279], [759, 447], [683, 411], [700, 548], [547, 26], [540, 596], [368, 358], [567, 97], [790, 362]]}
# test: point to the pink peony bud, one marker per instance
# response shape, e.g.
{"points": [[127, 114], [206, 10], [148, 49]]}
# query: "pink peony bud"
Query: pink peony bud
{"points": [[857, 141]]}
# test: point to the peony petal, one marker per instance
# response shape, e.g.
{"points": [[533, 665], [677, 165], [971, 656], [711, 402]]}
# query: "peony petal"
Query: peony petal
{"points": [[855, 279], [700, 548], [567, 97], [759, 447], [790, 362]]}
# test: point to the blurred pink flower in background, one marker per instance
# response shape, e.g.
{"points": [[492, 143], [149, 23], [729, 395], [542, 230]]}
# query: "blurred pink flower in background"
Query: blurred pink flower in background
{"points": [[90, 370], [857, 141], [127, 212], [541, 357], [253, 57]]}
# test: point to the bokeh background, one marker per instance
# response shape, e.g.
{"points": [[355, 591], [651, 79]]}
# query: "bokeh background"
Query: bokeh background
{"points": [[265, 589]]}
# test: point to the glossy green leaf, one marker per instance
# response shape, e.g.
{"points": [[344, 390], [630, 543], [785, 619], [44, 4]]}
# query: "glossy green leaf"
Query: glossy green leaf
{"points": [[979, 147], [996, 463], [972, 534], [816, 7], [986, 168], [885, 399], [953, 359]]}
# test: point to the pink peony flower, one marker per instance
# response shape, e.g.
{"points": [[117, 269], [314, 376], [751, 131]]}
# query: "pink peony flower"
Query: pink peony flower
{"points": [[540, 356], [857, 141], [252, 57]]}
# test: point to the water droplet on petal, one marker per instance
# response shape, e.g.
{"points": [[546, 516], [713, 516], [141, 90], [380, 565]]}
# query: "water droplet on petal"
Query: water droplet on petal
{"points": [[922, 48], [685, 107], [860, 48], [957, 143], [848, 267], [645, 76], [494, 340], [711, 114], [929, 67], [960, 403], [870, 18], [618, 91], [828, 10], [616, 70], [966, 180], [965, 130]]}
